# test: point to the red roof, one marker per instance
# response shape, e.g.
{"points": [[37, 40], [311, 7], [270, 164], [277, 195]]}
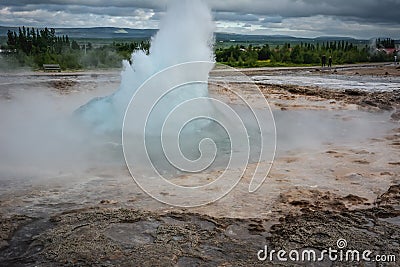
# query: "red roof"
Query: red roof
{"points": [[388, 50]]}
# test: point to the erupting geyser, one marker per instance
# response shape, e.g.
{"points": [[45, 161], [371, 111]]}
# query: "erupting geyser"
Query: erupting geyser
{"points": [[185, 35], [170, 125]]}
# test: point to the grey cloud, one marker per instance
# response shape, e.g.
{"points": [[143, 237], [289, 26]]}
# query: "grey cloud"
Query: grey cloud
{"points": [[230, 16], [363, 17], [272, 19], [157, 16], [74, 9], [383, 11], [152, 4]]}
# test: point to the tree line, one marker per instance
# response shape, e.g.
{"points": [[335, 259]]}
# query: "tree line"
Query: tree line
{"points": [[34, 41], [385, 43], [342, 52], [35, 47]]}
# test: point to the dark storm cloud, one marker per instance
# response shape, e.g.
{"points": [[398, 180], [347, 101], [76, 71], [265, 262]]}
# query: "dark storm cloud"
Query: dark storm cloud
{"points": [[159, 4], [310, 17], [75, 9], [384, 11]]}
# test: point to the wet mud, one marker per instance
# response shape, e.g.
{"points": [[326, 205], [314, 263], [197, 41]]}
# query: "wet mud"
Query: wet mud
{"points": [[127, 237], [341, 187]]}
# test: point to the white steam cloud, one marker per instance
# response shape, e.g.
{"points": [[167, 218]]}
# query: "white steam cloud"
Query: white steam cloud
{"points": [[43, 132], [185, 35]]}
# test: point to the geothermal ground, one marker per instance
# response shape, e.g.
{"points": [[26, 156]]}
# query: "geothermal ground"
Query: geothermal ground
{"points": [[336, 176]]}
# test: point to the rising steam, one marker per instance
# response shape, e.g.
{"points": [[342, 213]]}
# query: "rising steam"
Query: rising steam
{"points": [[185, 35], [162, 109]]}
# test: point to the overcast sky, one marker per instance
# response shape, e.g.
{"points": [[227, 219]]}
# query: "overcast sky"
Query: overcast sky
{"points": [[301, 18]]}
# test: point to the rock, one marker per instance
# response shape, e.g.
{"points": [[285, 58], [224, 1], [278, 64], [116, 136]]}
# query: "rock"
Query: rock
{"points": [[302, 202], [354, 176], [396, 115], [369, 103], [108, 202], [391, 197], [353, 92], [3, 244], [353, 199]]}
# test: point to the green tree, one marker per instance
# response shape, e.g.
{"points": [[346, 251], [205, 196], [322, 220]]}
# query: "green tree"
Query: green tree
{"points": [[75, 45], [296, 55]]}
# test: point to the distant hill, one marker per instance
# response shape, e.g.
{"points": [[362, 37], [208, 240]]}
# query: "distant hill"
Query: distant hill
{"points": [[96, 32], [107, 32], [127, 33], [230, 37], [335, 38]]}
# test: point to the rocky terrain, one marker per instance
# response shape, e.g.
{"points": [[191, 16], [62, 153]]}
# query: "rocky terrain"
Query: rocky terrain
{"points": [[322, 188]]}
